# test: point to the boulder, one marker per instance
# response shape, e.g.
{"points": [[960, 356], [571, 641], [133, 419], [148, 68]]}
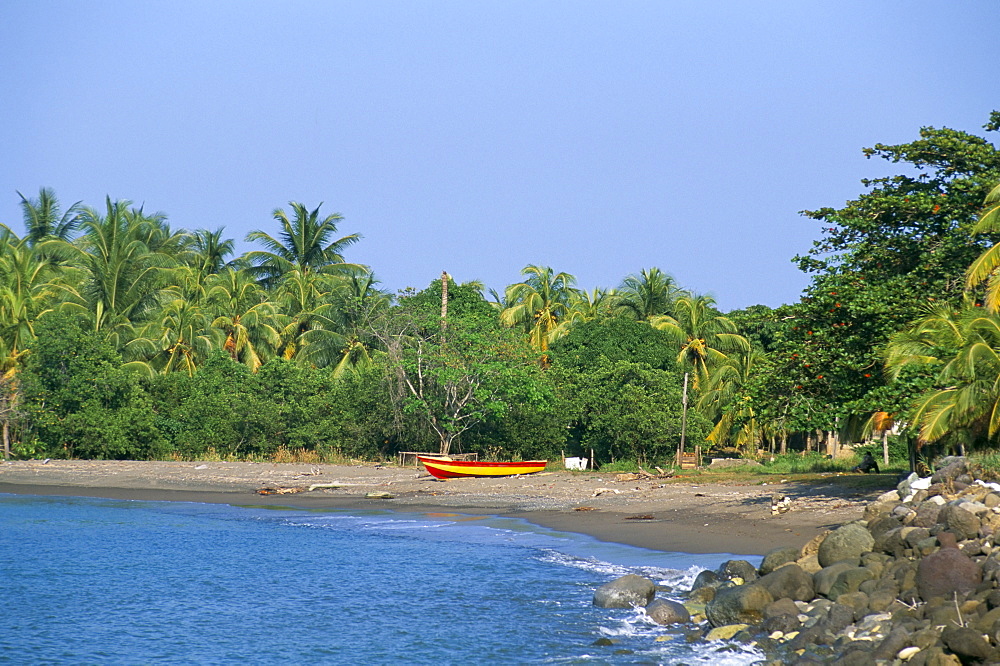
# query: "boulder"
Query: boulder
{"points": [[706, 578], [967, 643], [625, 592], [663, 611], [781, 607], [846, 542], [849, 580], [789, 581], [743, 604], [824, 579], [951, 468], [775, 558], [812, 546], [741, 569], [947, 571], [880, 526], [725, 632], [963, 524], [783, 623], [891, 542]]}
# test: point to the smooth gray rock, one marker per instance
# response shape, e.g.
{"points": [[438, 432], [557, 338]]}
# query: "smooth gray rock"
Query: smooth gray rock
{"points": [[848, 541], [706, 578], [966, 643], [775, 558], [789, 581], [625, 592], [664, 611], [738, 569], [824, 579], [849, 581], [743, 604], [963, 524]]}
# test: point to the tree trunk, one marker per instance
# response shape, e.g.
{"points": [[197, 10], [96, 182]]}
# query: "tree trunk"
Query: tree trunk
{"points": [[6, 439], [784, 442]]}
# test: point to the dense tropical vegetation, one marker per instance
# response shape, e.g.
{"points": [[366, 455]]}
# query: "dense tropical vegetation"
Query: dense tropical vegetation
{"points": [[121, 337]]}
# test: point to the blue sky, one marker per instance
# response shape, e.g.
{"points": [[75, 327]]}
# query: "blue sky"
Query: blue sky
{"points": [[598, 138]]}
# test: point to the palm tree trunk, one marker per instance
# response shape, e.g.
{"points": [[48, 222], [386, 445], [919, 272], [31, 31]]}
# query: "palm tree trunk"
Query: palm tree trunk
{"points": [[444, 303]]}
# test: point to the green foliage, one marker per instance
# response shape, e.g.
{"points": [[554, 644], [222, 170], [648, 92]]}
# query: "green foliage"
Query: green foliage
{"points": [[625, 410], [619, 467], [615, 339], [812, 462], [882, 259], [899, 451], [81, 402]]}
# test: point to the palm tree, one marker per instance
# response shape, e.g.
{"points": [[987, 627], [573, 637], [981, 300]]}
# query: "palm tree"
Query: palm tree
{"points": [[126, 257], [211, 250], [963, 348], [649, 294], [25, 294], [42, 219], [585, 306], [539, 303], [724, 400], [241, 310], [703, 335], [179, 340], [304, 244], [984, 269]]}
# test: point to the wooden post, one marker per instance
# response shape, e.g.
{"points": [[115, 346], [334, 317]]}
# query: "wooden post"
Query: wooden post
{"points": [[885, 448]]}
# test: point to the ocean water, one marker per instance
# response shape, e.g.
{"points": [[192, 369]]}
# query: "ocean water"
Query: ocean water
{"points": [[92, 581]]}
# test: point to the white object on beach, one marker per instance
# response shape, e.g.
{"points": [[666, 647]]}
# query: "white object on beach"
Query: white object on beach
{"points": [[575, 463]]}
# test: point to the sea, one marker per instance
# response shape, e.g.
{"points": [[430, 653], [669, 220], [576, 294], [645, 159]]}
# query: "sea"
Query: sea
{"points": [[96, 581]]}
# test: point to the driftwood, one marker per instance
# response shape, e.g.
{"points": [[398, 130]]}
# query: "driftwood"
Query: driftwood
{"points": [[280, 490], [642, 474], [288, 490]]}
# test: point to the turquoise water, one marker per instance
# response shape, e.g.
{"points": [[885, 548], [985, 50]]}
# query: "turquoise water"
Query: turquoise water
{"points": [[91, 581]]}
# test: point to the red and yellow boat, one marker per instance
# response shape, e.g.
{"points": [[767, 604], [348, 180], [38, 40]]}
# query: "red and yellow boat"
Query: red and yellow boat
{"points": [[443, 468]]}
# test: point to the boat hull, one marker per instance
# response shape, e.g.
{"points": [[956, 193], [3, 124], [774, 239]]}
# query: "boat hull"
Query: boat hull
{"points": [[454, 469]]}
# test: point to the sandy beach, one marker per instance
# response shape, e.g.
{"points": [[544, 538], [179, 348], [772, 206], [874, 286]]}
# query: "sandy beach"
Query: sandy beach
{"points": [[660, 514]]}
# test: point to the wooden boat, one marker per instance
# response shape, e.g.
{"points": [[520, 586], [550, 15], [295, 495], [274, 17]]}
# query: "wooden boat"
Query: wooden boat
{"points": [[443, 468]]}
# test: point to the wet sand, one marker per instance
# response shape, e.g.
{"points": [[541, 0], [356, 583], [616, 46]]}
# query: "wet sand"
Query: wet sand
{"points": [[668, 515]]}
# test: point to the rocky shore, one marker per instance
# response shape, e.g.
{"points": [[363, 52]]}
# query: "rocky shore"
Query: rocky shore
{"points": [[916, 581]]}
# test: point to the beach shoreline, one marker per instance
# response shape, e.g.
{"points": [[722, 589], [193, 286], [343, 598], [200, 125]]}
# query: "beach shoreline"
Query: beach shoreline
{"points": [[663, 515]]}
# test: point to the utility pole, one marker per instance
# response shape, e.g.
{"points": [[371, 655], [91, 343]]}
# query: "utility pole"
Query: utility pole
{"points": [[684, 419], [444, 303]]}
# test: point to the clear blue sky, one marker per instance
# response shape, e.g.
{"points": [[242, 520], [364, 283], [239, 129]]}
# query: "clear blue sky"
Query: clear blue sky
{"points": [[598, 138]]}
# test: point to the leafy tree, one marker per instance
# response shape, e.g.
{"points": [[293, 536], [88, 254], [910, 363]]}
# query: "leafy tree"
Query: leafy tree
{"points": [[458, 374], [220, 409], [80, 402], [615, 339], [624, 410], [883, 258]]}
